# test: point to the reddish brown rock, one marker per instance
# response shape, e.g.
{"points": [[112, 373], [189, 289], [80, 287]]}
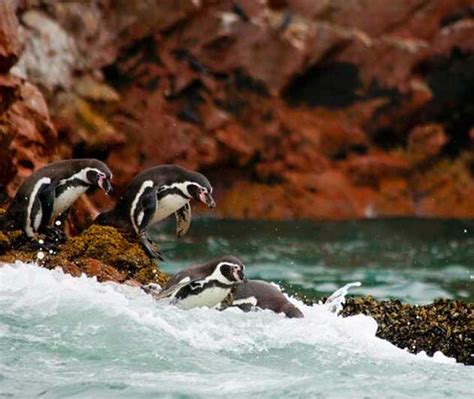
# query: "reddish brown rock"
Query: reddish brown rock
{"points": [[369, 169], [27, 135], [93, 268], [458, 35], [295, 108], [395, 198], [425, 142], [9, 40], [445, 189]]}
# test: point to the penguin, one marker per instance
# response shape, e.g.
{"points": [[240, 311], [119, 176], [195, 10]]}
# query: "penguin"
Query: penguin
{"points": [[253, 294], [152, 196], [205, 285], [50, 191]]}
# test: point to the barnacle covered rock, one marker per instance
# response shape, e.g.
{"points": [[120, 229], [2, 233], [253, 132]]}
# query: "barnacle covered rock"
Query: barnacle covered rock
{"points": [[445, 325]]}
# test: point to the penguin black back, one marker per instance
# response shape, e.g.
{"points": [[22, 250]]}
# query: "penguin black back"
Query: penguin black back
{"points": [[155, 194], [34, 203], [263, 295]]}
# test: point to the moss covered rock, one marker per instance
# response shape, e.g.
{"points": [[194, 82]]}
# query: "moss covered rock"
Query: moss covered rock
{"points": [[445, 325], [100, 251]]}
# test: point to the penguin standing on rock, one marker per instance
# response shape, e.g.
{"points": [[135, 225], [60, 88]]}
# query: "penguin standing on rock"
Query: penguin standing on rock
{"points": [[259, 294], [155, 194], [203, 285], [50, 191]]}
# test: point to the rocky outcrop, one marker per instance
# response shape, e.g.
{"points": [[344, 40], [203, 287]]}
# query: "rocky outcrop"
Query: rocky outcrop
{"points": [[9, 43], [294, 108], [99, 251], [444, 325]]}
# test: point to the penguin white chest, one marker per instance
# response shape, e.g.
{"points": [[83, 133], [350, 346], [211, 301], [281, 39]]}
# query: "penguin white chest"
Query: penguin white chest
{"points": [[65, 200], [167, 206], [209, 298]]}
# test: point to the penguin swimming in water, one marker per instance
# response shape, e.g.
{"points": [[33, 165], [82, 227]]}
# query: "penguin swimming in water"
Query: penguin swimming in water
{"points": [[203, 285], [50, 191], [155, 194], [260, 294]]}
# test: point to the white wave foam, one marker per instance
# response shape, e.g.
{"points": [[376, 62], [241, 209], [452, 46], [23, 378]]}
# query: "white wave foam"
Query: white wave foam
{"points": [[38, 292]]}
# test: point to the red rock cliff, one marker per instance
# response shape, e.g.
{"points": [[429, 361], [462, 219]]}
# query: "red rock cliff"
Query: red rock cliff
{"points": [[295, 109]]}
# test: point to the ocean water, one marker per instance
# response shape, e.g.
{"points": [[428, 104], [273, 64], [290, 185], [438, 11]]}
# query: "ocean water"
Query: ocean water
{"points": [[413, 260], [65, 337]]}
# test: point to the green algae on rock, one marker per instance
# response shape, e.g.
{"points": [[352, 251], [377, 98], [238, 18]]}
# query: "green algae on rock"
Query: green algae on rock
{"points": [[99, 251], [111, 247], [445, 325]]}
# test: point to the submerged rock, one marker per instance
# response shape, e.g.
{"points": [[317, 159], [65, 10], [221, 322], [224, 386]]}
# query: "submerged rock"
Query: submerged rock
{"points": [[99, 251], [445, 325]]}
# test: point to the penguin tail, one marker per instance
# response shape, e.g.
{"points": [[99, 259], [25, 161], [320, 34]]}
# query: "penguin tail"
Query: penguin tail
{"points": [[3, 222], [292, 311], [109, 218], [104, 218]]}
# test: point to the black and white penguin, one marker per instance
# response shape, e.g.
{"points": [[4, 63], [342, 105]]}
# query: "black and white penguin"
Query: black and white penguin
{"points": [[259, 294], [155, 194], [50, 191], [204, 285]]}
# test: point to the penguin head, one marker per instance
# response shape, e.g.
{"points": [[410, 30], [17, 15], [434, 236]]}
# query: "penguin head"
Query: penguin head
{"points": [[99, 175], [231, 269], [199, 188], [201, 193], [192, 185]]}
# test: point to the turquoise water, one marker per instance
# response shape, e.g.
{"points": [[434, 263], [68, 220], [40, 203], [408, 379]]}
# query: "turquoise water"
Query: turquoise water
{"points": [[65, 337], [413, 260]]}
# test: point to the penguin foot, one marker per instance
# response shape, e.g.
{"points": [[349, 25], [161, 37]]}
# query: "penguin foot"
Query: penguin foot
{"points": [[41, 243], [55, 235], [150, 248]]}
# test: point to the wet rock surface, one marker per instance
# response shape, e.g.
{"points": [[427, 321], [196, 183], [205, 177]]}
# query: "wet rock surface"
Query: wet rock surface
{"points": [[445, 325], [100, 251]]}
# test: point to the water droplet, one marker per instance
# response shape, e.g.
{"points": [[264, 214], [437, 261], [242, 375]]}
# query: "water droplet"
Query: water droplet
{"points": [[40, 255]]}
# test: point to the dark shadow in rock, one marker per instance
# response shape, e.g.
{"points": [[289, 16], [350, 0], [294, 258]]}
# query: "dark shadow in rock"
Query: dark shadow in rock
{"points": [[451, 80], [332, 85]]}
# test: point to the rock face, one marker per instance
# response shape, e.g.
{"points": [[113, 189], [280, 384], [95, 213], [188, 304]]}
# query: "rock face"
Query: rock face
{"points": [[294, 108]]}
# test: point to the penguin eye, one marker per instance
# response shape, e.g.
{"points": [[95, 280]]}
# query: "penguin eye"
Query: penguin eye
{"points": [[92, 176]]}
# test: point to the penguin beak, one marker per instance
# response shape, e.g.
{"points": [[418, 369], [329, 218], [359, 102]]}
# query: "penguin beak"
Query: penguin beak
{"points": [[206, 198], [105, 185], [239, 275]]}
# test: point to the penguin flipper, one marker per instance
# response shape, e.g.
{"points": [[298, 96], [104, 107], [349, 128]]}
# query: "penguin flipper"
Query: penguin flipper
{"points": [[169, 292], [179, 290], [146, 208], [149, 248], [46, 199], [183, 220]]}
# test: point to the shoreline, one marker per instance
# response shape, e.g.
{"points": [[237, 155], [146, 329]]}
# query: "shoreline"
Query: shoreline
{"points": [[109, 255]]}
